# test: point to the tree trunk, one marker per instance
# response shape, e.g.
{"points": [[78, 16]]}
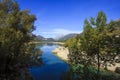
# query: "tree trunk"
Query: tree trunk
{"points": [[98, 68], [98, 59], [7, 67]]}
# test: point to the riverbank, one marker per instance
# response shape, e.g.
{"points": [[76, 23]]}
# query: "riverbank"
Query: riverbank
{"points": [[60, 43], [61, 52]]}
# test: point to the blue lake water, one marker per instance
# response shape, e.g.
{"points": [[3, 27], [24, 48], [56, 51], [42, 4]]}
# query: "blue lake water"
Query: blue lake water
{"points": [[53, 66]]}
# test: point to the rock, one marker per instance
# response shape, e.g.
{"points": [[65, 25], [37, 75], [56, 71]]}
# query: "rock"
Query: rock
{"points": [[117, 70]]}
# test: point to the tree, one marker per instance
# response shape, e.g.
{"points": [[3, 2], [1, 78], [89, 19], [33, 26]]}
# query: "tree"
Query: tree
{"points": [[15, 28], [100, 25], [73, 45], [98, 46]]}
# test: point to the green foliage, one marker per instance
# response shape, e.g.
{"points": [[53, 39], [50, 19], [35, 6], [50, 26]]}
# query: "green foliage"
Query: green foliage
{"points": [[73, 45], [80, 72], [15, 50], [98, 46]]}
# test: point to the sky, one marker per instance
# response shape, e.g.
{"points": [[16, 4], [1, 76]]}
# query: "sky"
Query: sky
{"points": [[60, 17]]}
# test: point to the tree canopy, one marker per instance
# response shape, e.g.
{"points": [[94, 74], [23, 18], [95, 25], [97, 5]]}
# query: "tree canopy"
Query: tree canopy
{"points": [[16, 26], [98, 45]]}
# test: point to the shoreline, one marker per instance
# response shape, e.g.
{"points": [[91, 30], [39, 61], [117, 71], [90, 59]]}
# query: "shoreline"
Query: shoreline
{"points": [[60, 43], [61, 52]]}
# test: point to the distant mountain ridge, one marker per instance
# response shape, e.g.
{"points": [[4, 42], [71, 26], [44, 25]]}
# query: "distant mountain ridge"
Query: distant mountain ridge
{"points": [[58, 38], [42, 39], [65, 37]]}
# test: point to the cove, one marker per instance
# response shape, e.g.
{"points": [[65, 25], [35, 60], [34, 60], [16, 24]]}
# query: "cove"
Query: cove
{"points": [[52, 67]]}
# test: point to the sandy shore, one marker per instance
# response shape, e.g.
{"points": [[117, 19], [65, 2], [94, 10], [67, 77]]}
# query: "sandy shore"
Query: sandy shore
{"points": [[61, 52], [112, 68]]}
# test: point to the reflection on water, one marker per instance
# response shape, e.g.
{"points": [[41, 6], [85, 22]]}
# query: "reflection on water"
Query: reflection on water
{"points": [[45, 44], [53, 67]]}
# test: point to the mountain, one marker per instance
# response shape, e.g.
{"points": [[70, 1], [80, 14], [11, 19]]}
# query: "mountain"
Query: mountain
{"points": [[48, 40], [65, 37], [57, 38], [38, 38], [42, 39]]}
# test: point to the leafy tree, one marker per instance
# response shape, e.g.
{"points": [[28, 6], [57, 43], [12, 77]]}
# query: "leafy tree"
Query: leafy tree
{"points": [[98, 46], [73, 44], [100, 25], [106, 41], [15, 50]]}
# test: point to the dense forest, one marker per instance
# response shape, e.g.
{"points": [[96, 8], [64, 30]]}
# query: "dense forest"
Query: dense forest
{"points": [[96, 48]]}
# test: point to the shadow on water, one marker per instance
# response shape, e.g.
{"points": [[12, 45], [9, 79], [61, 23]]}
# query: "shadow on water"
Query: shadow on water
{"points": [[52, 68]]}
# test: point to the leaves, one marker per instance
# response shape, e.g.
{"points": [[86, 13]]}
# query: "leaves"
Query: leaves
{"points": [[15, 50], [99, 44]]}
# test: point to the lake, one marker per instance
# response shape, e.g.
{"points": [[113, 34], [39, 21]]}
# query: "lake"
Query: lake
{"points": [[52, 67]]}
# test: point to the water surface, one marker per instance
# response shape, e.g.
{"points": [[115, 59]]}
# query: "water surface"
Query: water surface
{"points": [[53, 66]]}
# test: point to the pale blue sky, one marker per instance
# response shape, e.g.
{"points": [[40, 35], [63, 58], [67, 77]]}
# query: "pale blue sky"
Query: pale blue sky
{"points": [[56, 17]]}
